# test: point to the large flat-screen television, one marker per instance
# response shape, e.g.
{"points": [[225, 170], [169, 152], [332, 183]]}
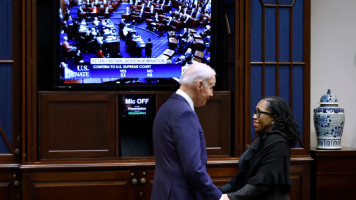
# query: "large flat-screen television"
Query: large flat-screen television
{"points": [[125, 45]]}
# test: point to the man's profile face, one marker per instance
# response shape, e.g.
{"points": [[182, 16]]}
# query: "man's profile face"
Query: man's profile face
{"points": [[205, 92]]}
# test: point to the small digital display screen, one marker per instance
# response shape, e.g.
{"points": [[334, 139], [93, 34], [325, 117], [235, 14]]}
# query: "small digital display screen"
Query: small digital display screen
{"points": [[137, 106]]}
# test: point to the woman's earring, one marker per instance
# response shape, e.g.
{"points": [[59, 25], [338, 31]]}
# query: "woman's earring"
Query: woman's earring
{"points": [[272, 123]]}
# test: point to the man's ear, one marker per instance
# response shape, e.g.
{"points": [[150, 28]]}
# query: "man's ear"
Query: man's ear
{"points": [[200, 84]]}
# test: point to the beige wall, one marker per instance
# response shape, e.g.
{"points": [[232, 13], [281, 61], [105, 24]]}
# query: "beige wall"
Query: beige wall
{"points": [[333, 60]]}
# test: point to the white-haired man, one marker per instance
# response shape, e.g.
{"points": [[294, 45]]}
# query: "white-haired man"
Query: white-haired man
{"points": [[179, 144]]}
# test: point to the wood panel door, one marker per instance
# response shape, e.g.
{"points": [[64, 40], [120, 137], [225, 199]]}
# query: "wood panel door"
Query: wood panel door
{"points": [[107, 185], [76, 125], [10, 182], [145, 183]]}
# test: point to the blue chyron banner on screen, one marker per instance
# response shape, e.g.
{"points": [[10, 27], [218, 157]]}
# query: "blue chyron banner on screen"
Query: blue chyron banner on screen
{"points": [[123, 71]]}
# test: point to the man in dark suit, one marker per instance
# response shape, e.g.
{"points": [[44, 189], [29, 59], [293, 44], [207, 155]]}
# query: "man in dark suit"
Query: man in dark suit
{"points": [[148, 48], [179, 144]]}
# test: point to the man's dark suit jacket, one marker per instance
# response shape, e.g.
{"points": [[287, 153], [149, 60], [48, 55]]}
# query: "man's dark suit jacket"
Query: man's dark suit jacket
{"points": [[180, 154]]}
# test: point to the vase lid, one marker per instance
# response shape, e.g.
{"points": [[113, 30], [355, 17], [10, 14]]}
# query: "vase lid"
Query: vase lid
{"points": [[328, 98]]}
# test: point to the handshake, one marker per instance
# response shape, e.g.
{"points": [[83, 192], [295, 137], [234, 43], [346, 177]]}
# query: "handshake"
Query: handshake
{"points": [[225, 197]]}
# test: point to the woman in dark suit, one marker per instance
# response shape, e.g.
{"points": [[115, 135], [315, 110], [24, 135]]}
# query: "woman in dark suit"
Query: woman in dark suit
{"points": [[264, 167]]}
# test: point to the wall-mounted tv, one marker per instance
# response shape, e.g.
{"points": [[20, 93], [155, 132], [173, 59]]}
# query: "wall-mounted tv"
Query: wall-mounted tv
{"points": [[120, 44]]}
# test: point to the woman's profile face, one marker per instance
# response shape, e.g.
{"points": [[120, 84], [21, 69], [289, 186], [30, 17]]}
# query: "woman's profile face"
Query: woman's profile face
{"points": [[262, 119]]}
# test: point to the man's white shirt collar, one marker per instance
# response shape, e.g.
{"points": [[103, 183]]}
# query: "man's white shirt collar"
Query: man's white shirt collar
{"points": [[186, 97]]}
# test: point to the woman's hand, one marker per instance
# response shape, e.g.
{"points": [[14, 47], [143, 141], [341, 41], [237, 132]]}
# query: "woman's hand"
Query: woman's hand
{"points": [[226, 197]]}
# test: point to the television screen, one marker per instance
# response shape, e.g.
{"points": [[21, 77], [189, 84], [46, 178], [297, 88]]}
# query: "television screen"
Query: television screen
{"points": [[133, 42]]}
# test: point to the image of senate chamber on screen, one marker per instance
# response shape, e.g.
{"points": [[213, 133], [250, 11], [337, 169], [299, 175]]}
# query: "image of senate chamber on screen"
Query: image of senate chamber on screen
{"points": [[132, 41]]}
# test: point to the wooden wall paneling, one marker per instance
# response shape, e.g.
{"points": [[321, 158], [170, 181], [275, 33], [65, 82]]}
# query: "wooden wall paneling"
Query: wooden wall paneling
{"points": [[17, 81], [77, 125], [333, 173], [307, 77], [215, 120], [29, 78], [161, 98], [5, 189], [223, 172], [92, 185], [145, 183], [335, 185], [10, 182], [300, 177], [239, 88], [72, 124], [131, 182], [247, 79]]}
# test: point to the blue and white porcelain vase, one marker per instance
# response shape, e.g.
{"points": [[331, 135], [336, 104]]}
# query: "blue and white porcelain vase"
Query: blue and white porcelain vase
{"points": [[329, 122]]}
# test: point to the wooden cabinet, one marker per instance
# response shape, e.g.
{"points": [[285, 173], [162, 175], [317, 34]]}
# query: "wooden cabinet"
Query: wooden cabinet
{"points": [[333, 174], [77, 125], [127, 180], [84, 127], [299, 171], [88, 183], [80, 148], [10, 182], [299, 174], [111, 181]]}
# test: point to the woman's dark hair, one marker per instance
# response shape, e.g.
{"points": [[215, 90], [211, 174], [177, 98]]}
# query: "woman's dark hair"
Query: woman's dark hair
{"points": [[283, 119]]}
